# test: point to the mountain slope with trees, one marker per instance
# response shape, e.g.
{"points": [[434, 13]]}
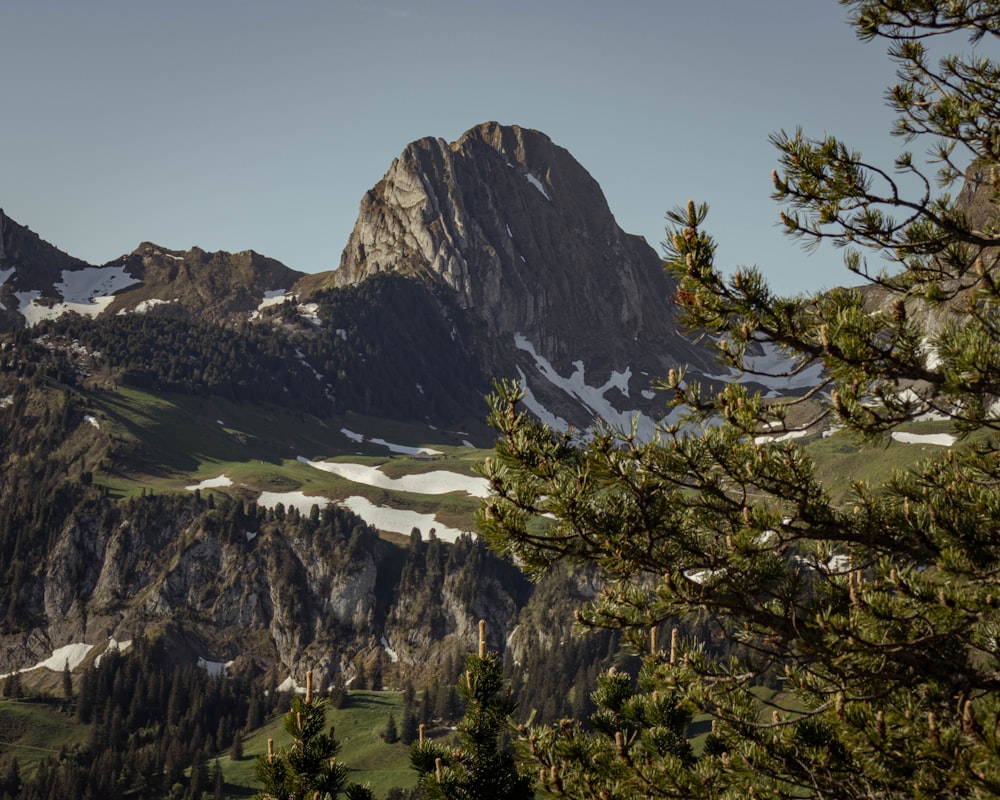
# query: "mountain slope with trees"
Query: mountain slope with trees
{"points": [[874, 611]]}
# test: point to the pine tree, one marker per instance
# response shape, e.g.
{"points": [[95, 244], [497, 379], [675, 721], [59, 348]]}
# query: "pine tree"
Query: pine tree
{"points": [[480, 768], [391, 733], [308, 770], [876, 610]]}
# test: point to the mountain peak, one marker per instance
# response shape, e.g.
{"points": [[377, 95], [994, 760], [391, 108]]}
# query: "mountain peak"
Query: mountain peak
{"points": [[521, 234]]}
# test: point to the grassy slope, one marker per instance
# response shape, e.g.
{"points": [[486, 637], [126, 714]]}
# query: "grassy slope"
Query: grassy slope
{"points": [[34, 731], [179, 440]]}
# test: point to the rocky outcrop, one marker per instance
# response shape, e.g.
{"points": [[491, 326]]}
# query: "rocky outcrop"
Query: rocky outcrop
{"points": [[281, 593], [522, 234]]}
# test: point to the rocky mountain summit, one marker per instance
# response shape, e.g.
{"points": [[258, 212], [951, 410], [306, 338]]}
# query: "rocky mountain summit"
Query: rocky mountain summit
{"points": [[504, 228], [556, 293]]}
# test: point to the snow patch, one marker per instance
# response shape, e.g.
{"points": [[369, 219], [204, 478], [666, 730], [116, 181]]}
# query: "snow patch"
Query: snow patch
{"points": [[71, 654], [298, 500], [211, 483], [86, 291], [940, 439], [5, 274], [400, 520], [214, 668], [592, 397], [782, 438], [360, 438], [289, 685], [393, 657], [436, 482], [145, 305], [114, 646], [7, 400], [772, 361], [274, 297], [538, 185], [92, 420]]}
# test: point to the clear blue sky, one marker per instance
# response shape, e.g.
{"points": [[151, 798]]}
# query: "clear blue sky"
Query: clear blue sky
{"points": [[245, 124]]}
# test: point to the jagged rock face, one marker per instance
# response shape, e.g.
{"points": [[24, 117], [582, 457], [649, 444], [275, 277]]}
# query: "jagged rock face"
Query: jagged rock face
{"points": [[196, 283], [523, 235], [276, 597]]}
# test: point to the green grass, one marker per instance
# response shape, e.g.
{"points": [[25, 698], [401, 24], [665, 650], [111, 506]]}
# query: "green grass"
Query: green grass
{"points": [[33, 731], [175, 441], [358, 728]]}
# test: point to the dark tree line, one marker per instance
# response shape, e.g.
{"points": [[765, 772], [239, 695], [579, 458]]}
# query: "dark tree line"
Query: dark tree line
{"points": [[389, 347], [153, 727]]}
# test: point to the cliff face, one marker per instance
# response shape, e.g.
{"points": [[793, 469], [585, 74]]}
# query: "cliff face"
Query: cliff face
{"points": [[280, 592], [523, 235]]}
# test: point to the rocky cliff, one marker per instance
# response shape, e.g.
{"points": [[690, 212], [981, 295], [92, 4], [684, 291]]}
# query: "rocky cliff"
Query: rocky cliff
{"points": [[557, 293], [268, 590]]}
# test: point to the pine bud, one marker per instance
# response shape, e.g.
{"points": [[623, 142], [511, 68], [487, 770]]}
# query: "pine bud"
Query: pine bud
{"points": [[880, 724], [932, 728], [482, 639], [673, 646], [839, 706], [692, 215], [968, 719], [437, 768]]}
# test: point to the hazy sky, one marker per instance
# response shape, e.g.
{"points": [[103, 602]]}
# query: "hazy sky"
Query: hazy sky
{"points": [[251, 124]]}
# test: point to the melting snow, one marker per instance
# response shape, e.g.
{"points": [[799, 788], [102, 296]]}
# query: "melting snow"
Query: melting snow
{"points": [[211, 483], [92, 420], [7, 400], [289, 685], [942, 439], [72, 654], [6, 273], [113, 645], [537, 184], [436, 482], [592, 397], [274, 297], [399, 520], [299, 500], [214, 667], [393, 657], [780, 438], [145, 305], [773, 360], [86, 291], [360, 438]]}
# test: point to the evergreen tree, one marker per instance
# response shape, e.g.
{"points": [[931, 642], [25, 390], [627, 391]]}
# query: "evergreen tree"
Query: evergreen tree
{"points": [[391, 733], [308, 769], [875, 611], [480, 768]]}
